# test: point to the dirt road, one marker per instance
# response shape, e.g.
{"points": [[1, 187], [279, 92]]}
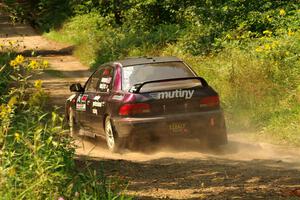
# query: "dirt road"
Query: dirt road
{"points": [[240, 170]]}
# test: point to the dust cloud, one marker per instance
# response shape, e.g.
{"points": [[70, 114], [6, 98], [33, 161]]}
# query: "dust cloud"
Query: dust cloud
{"points": [[237, 149]]}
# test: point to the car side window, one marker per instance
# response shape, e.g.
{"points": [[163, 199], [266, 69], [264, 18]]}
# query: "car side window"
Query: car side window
{"points": [[106, 78], [91, 85]]}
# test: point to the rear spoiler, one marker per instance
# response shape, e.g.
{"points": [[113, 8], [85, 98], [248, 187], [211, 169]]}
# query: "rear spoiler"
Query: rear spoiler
{"points": [[137, 87]]}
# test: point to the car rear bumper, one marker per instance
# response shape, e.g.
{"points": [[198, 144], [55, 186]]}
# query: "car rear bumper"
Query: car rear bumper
{"points": [[209, 125]]}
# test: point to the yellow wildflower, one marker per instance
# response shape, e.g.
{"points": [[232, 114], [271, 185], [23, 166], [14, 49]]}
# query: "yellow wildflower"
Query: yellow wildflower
{"points": [[5, 111], [270, 19], [228, 36], [45, 63], [258, 49], [12, 101], [13, 63], [38, 84], [290, 32], [267, 47], [33, 64], [12, 172], [11, 42], [267, 33], [17, 137], [55, 144], [19, 59], [274, 44], [2, 110], [282, 12]]}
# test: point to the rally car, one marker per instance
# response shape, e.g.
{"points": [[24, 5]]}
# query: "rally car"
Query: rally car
{"points": [[152, 98]]}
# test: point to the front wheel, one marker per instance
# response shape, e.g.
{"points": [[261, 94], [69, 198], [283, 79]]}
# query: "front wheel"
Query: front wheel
{"points": [[114, 143], [73, 126]]}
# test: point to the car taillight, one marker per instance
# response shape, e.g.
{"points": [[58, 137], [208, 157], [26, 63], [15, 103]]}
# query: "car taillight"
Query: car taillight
{"points": [[132, 109], [211, 101]]}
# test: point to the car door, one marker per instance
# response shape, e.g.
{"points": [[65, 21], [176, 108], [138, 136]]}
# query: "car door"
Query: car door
{"points": [[83, 102], [97, 99]]}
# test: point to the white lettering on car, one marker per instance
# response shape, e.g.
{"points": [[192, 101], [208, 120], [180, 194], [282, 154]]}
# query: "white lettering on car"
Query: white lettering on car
{"points": [[106, 80], [98, 104], [95, 111], [96, 98], [80, 107], [187, 94], [103, 86]]}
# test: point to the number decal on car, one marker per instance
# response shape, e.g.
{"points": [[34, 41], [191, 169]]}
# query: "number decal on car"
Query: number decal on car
{"points": [[177, 127]]}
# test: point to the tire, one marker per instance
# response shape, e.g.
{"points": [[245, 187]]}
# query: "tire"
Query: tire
{"points": [[73, 126], [114, 143]]}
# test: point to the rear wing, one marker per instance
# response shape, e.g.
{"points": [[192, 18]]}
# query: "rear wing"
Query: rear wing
{"points": [[136, 88]]}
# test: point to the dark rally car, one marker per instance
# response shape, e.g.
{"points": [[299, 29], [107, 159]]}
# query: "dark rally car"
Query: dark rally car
{"points": [[128, 101]]}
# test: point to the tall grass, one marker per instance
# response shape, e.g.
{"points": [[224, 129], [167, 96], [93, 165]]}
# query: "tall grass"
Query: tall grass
{"points": [[253, 60], [36, 153], [259, 87]]}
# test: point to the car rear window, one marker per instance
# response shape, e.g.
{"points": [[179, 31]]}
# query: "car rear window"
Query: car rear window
{"points": [[154, 71]]}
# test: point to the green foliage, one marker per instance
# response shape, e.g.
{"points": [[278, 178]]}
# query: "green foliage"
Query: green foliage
{"points": [[98, 41], [258, 83], [34, 150], [44, 14], [93, 184], [36, 153], [247, 49]]}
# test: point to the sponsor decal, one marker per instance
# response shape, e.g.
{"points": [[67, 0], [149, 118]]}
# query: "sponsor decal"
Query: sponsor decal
{"points": [[187, 94], [84, 98], [106, 80], [98, 104], [95, 111], [80, 107], [127, 72], [80, 104], [71, 97], [106, 72], [103, 86], [117, 97], [79, 98], [96, 98]]}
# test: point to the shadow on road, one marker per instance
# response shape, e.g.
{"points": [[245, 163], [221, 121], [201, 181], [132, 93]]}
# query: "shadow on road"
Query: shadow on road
{"points": [[170, 178], [174, 171]]}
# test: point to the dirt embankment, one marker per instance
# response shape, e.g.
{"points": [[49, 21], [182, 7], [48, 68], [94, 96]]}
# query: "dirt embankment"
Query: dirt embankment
{"points": [[241, 170]]}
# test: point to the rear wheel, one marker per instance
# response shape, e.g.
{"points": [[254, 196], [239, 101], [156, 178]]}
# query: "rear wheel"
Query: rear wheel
{"points": [[114, 143]]}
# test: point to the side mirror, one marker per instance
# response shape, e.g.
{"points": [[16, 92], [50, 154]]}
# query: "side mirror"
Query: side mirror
{"points": [[76, 87]]}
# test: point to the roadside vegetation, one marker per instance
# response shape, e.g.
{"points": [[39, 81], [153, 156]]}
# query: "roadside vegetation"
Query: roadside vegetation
{"points": [[36, 153], [247, 49]]}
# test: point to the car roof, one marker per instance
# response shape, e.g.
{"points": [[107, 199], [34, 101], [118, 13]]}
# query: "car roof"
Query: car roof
{"points": [[146, 60]]}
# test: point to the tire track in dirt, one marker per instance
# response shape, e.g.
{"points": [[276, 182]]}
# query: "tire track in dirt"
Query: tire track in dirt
{"points": [[240, 170]]}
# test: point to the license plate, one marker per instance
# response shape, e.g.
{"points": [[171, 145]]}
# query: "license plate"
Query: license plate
{"points": [[178, 127]]}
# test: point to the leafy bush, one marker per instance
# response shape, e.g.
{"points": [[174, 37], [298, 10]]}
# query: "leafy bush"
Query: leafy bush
{"points": [[43, 14], [248, 50], [36, 153], [258, 83]]}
